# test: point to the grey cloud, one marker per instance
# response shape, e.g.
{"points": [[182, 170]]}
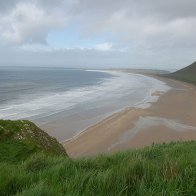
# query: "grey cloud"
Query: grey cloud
{"points": [[29, 22], [90, 58], [167, 8], [5, 5], [149, 23], [154, 32], [171, 9], [152, 23], [65, 57]]}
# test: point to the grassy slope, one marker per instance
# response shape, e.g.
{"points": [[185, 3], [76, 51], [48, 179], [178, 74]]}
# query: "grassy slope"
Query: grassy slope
{"points": [[167, 169], [187, 74], [19, 139], [33, 163]]}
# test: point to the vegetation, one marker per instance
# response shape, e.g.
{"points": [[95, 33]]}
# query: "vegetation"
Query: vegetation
{"points": [[187, 74], [166, 169], [19, 139]]}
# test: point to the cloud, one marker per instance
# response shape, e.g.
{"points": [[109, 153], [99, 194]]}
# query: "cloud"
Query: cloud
{"points": [[142, 23], [162, 9], [6, 5], [104, 46], [153, 32], [29, 23]]}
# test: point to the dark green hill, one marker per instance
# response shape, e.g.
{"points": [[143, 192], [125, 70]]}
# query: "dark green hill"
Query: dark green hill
{"points": [[189, 69], [187, 74], [19, 139]]}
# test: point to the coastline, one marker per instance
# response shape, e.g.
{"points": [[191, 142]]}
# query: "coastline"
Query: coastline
{"points": [[112, 95], [171, 118]]}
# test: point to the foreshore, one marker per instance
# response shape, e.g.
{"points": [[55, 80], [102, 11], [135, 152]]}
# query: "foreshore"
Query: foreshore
{"points": [[171, 118]]}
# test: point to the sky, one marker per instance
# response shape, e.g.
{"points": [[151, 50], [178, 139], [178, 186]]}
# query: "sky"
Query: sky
{"points": [[98, 33]]}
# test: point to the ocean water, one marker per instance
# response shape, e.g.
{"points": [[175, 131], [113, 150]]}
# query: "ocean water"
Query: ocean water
{"points": [[66, 101]]}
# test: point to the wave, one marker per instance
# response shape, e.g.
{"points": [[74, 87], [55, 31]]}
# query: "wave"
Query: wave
{"points": [[109, 91]]}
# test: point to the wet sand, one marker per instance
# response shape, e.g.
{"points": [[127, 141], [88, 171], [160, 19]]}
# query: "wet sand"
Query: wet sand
{"points": [[171, 118]]}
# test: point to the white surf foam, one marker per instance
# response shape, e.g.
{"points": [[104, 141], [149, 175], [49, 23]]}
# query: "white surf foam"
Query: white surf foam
{"points": [[121, 84]]}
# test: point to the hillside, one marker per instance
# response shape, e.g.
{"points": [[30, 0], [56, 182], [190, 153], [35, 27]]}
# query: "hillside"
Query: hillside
{"points": [[187, 74], [19, 139], [167, 169]]}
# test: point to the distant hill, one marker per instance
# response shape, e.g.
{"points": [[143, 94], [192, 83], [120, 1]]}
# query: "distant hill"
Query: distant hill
{"points": [[20, 139], [187, 74]]}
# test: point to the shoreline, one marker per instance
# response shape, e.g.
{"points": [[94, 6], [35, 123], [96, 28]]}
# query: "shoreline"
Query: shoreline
{"points": [[93, 124], [108, 135], [139, 105], [113, 95]]}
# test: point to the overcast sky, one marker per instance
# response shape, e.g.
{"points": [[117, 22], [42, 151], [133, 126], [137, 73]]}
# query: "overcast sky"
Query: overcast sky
{"points": [[98, 33]]}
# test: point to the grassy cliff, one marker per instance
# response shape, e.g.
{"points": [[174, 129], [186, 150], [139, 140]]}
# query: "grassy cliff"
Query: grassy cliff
{"points": [[187, 74], [167, 169], [19, 139]]}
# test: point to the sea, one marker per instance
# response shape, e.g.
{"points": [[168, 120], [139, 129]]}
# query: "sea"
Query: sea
{"points": [[65, 101]]}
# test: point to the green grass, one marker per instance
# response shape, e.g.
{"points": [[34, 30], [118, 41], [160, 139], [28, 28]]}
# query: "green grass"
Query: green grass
{"points": [[32, 163], [167, 169], [19, 139]]}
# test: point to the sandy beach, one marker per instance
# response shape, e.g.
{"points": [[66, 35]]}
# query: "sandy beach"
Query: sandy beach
{"points": [[171, 118]]}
